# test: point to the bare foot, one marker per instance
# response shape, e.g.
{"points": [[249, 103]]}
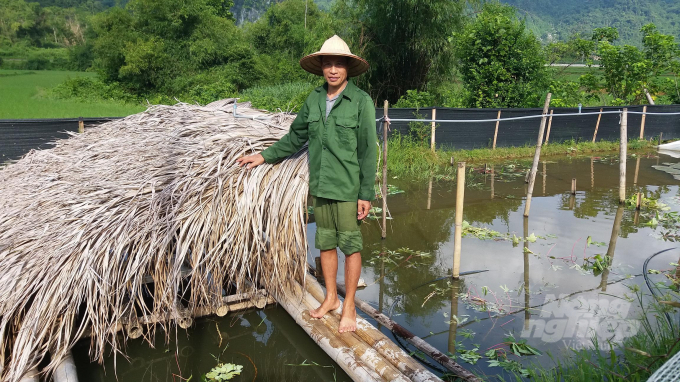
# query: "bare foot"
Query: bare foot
{"points": [[348, 320], [327, 305]]}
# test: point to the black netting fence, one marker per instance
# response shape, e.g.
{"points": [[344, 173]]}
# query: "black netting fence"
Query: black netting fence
{"points": [[470, 135], [19, 136]]}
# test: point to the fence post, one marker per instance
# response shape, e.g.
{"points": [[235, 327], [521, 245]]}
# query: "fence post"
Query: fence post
{"points": [[537, 155], [458, 234], [495, 133], [642, 124], [597, 125], [81, 125], [547, 136], [573, 186], [432, 140], [384, 173], [623, 148]]}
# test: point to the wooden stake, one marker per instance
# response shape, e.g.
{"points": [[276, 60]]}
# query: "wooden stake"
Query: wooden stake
{"points": [[384, 174], [660, 140], [573, 186], [495, 134], [547, 136], [81, 125], [639, 201], [642, 124], [432, 140], [458, 234], [637, 170], [537, 156], [623, 147], [597, 125]]}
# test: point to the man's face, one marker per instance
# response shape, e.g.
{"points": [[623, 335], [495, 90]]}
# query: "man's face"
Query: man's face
{"points": [[334, 69]]}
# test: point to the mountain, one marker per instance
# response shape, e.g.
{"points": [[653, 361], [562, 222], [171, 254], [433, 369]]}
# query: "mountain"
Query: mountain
{"points": [[560, 19]]}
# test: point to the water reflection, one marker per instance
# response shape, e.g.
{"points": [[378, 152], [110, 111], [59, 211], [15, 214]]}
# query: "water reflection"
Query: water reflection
{"points": [[553, 248]]}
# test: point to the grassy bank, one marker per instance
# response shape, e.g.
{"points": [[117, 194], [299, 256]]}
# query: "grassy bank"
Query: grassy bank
{"points": [[23, 96], [408, 157]]}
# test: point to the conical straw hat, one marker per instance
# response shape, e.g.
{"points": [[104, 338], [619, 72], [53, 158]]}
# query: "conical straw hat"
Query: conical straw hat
{"points": [[334, 46]]}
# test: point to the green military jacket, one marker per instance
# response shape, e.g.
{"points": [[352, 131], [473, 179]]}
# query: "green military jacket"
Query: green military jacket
{"points": [[342, 148]]}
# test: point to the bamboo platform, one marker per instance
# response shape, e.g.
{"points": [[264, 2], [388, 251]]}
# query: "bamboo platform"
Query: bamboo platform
{"points": [[365, 355]]}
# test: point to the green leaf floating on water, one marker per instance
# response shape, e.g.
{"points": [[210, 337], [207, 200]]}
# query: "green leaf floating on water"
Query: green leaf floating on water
{"points": [[224, 372]]}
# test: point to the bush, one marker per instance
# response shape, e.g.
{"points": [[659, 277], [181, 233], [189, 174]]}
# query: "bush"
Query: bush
{"points": [[285, 97], [91, 89], [47, 59]]}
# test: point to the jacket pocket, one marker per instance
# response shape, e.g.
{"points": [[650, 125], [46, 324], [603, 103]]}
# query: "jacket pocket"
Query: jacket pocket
{"points": [[313, 123], [346, 127]]}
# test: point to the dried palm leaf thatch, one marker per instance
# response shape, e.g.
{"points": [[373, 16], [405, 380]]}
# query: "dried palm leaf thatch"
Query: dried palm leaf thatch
{"points": [[83, 223]]}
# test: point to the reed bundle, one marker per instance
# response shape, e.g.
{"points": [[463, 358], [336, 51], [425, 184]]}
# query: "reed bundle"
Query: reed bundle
{"points": [[83, 223]]}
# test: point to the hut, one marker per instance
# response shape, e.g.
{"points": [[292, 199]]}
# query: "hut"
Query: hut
{"points": [[154, 197]]}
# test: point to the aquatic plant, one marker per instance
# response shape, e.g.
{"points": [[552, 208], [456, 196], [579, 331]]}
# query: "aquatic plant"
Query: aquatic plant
{"points": [[223, 372]]}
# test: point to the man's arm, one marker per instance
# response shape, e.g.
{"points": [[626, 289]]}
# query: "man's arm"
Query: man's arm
{"points": [[288, 145], [366, 151]]}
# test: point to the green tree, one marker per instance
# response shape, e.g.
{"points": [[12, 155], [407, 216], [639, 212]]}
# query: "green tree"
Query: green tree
{"points": [[405, 41], [501, 62], [627, 70], [153, 45]]}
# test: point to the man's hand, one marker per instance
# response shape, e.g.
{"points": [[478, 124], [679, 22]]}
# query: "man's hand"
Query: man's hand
{"points": [[251, 160], [363, 208]]}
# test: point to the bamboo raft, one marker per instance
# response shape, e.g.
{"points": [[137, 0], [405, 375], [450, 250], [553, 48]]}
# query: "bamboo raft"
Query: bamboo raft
{"points": [[155, 198]]}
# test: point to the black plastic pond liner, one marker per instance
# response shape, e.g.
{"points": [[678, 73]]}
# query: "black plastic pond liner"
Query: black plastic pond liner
{"points": [[471, 135], [19, 136]]}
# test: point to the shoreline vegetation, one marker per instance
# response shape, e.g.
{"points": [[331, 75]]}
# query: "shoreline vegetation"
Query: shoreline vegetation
{"points": [[410, 157]]}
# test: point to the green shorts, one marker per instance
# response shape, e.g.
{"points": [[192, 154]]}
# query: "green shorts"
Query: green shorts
{"points": [[337, 226]]}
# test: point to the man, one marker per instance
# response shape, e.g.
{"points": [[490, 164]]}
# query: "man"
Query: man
{"points": [[338, 121]]}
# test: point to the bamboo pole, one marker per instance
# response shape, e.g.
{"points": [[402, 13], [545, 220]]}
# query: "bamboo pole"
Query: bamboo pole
{"points": [[642, 123], [573, 186], [432, 136], [458, 234], [537, 155], [384, 173], [375, 338], [361, 349], [66, 370], [639, 201], [81, 125], [495, 133], [291, 301], [597, 125], [547, 136], [367, 331], [623, 147]]}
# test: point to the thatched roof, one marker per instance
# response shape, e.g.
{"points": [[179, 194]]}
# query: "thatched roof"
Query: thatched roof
{"points": [[83, 223]]}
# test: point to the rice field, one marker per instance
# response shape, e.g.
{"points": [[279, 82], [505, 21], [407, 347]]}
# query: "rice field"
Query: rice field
{"points": [[23, 96]]}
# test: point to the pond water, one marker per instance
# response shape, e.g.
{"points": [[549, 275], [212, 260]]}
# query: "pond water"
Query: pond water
{"points": [[545, 280]]}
